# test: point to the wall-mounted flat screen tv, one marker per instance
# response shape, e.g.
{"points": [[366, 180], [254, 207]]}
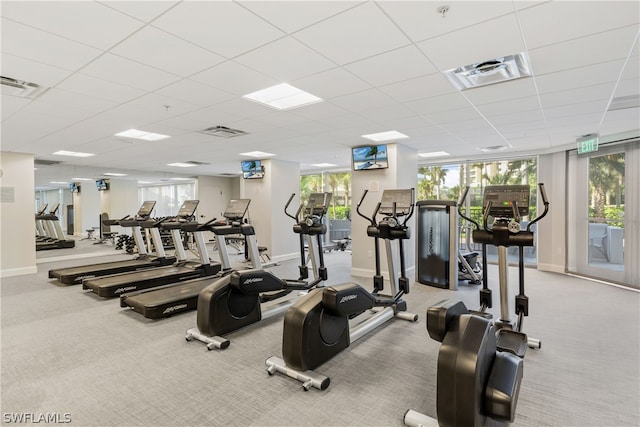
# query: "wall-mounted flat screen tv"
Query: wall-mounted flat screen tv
{"points": [[102, 184], [252, 169], [369, 157], [74, 187]]}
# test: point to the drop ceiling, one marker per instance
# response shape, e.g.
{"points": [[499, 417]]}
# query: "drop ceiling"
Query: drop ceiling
{"points": [[179, 67]]}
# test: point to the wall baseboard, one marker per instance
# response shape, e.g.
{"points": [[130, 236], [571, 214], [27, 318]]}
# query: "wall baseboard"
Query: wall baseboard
{"points": [[285, 257], [554, 268], [11, 272]]}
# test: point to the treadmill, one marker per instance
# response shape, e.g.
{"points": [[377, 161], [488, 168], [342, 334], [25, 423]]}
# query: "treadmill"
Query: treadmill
{"points": [[183, 269], [144, 260], [54, 231], [182, 297]]}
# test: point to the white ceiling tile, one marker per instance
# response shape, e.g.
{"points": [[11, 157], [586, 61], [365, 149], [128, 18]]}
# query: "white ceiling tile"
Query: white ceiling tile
{"points": [[330, 84], [208, 117], [519, 117], [19, 129], [418, 88], [321, 111], [365, 100], [577, 96], [606, 72], [59, 101], [133, 117], [142, 10], [12, 104], [392, 112], [162, 50], [618, 121], [243, 108], [90, 23], [129, 73], [390, 67], [223, 27], [516, 105], [421, 20], [291, 16], [588, 50], [196, 93], [557, 21], [512, 89], [598, 106], [285, 59], [354, 34], [162, 105], [32, 71], [450, 101], [98, 88], [491, 39], [234, 78], [40, 46], [628, 87]]}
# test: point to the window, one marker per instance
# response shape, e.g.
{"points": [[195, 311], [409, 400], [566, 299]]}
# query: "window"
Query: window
{"points": [[169, 197]]}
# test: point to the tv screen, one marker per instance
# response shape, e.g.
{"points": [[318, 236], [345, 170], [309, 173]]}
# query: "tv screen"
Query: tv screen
{"points": [[370, 157], [252, 169], [74, 187], [102, 184]]}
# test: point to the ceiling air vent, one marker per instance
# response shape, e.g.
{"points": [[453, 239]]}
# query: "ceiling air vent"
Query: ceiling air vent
{"points": [[39, 162], [15, 87], [493, 148], [624, 102], [223, 132], [490, 72], [195, 163]]}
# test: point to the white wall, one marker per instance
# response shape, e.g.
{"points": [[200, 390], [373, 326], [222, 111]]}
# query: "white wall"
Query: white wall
{"points": [[268, 198], [551, 244], [214, 194], [17, 220], [402, 173], [86, 208]]}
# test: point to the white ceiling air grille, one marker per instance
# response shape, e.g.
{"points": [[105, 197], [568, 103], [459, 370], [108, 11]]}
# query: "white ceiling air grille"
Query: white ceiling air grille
{"points": [[624, 102], [223, 132], [490, 72], [40, 162], [15, 87], [196, 163], [493, 148]]}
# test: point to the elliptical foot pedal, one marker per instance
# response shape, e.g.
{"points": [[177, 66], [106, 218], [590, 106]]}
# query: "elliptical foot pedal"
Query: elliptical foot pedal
{"points": [[512, 341]]}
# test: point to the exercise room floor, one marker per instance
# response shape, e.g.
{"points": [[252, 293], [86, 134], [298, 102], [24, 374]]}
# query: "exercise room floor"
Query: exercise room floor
{"points": [[67, 352]]}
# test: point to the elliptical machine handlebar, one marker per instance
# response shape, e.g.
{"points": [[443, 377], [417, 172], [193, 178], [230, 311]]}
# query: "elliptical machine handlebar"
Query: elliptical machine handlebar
{"points": [[371, 220], [296, 218], [545, 201], [461, 202]]}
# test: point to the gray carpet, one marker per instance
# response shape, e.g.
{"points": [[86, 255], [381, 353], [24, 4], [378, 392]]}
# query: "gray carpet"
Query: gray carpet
{"points": [[66, 351]]}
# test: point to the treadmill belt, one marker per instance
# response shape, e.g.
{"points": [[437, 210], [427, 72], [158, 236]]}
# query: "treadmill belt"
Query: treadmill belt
{"points": [[75, 275]]}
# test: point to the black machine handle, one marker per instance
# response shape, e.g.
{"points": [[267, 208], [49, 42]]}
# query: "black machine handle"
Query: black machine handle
{"points": [[411, 208], [461, 202], [545, 201], [286, 207], [371, 220], [123, 218]]}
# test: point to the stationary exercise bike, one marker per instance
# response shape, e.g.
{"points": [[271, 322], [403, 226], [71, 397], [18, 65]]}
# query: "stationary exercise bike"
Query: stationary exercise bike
{"points": [[316, 328], [237, 299], [480, 362]]}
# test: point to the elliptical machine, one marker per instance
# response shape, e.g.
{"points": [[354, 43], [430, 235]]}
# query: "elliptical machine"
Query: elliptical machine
{"points": [[316, 328], [236, 300], [480, 362]]}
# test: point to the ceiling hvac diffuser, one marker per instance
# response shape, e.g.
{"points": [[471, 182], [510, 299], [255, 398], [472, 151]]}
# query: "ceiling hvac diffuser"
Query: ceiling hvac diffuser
{"points": [[490, 72], [223, 132]]}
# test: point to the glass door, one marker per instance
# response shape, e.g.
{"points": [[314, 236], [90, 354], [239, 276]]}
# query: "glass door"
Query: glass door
{"points": [[603, 235]]}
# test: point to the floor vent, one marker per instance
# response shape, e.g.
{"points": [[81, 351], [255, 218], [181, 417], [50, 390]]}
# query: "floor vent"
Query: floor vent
{"points": [[15, 87], [223, 132]]}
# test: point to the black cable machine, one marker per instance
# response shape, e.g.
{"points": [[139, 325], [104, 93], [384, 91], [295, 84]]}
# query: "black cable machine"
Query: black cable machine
{"points": [[239, 299], [480, 362], [317, 327]]}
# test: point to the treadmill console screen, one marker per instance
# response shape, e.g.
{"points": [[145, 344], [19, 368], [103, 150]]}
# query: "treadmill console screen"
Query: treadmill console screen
{"points": [[504, 197], [237, 208], [146, 208], [42, 210], [402, 198], [317, 203], [188, 208], [54, 209]]}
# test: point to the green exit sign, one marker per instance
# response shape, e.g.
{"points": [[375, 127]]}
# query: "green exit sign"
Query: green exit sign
{"points": [[587, 144]]}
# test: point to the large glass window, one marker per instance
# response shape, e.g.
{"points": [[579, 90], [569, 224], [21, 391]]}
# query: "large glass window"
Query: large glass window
{"points": [[169, 197]]}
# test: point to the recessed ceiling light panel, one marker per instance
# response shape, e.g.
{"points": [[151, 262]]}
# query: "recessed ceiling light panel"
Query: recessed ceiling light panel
{"points": [[81, 179], [181, 165], [434, 154], [490, 72], [140, 134], [323, 165], [385, 136], [283, 97], [257, 154], [114, 174], [72, 154]]}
